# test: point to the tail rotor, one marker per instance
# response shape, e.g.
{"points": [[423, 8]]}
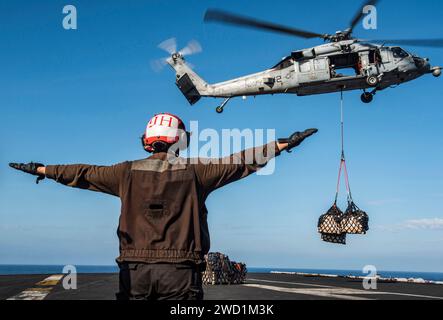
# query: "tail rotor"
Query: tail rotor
{"points": [[192, 48], [170, 46]]}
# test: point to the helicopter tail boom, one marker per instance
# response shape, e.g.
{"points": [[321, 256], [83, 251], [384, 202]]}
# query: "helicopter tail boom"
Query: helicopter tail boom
{"points": [[190, 83]]}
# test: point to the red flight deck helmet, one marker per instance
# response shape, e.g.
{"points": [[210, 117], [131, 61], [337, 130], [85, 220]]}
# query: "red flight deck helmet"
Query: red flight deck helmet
{"points": [[164, 130]]}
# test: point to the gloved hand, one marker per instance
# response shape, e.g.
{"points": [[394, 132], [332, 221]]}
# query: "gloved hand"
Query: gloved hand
{"points": [[30, 168], [297, 138]]}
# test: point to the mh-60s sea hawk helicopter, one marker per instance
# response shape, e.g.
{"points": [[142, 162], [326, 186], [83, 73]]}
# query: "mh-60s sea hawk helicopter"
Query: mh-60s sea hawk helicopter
{"points": [[371, 65]]}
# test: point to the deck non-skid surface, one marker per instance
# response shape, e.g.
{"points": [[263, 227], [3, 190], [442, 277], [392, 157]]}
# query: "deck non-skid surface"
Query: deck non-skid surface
{"points": [[258, 287]]}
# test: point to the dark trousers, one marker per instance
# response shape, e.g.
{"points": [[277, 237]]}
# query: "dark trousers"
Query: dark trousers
{"points": [[142, 281]]}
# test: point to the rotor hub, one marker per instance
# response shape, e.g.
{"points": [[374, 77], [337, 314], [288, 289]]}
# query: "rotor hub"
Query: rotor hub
{"points": [[339, 36], [176, 56]]}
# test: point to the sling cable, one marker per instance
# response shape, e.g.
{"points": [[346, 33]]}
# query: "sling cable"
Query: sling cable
{"points": [[334, 225]]}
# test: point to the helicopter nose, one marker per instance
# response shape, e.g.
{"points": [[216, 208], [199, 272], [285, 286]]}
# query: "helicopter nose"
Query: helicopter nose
{"points": [[422, 63], [427, 63]]}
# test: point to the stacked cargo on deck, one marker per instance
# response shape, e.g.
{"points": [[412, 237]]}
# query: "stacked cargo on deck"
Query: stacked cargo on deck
{"points": [[220, 270]]}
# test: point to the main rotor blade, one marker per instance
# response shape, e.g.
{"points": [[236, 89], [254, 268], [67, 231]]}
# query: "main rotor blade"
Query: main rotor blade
{"points": [[214, 15], [434, 43], [359, 15]]}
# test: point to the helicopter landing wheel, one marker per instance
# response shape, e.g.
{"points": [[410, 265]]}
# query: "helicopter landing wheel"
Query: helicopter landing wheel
{"points": [[221, 107], [367, 97], [372, 81]]}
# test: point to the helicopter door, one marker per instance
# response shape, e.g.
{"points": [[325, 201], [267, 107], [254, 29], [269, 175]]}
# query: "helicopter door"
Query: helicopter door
{"points": [[321, 69], [369, 63], [313, 70]]}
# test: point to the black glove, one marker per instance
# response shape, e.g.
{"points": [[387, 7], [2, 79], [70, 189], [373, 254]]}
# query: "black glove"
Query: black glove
{"points": [[297, 138], [30, 168]]}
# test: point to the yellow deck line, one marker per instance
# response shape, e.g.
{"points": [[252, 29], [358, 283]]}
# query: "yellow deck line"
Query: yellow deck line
{"points": [[39, 293], [47, 283]]}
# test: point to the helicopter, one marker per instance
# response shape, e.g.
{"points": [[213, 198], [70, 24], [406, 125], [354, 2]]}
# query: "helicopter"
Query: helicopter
{"points": [[343, 63]]}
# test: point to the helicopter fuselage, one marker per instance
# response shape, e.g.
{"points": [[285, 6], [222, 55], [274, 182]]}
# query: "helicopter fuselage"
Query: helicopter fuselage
{"points": [[332, 67], [319, 70]]}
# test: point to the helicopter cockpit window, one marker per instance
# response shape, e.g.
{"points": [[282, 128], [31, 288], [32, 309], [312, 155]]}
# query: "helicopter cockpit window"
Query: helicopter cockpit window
{"points": [[284, 64], [399, 53]]}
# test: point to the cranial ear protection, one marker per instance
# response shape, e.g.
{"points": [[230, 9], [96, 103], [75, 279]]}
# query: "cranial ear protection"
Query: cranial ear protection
{"points": [[161, 146], [142, 139]]}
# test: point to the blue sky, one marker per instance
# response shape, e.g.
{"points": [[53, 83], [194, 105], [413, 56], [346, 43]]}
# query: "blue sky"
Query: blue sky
{"points": [[85, 96]]}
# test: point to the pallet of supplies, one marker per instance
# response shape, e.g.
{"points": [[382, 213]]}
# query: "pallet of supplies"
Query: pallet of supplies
{"points": [[220, 270]]}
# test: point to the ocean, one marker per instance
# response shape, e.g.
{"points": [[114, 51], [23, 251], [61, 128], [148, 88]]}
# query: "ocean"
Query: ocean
{"points": [[431, 276], [54, 269]]}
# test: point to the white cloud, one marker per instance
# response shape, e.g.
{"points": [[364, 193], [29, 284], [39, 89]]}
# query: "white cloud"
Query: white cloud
{"points": [[413, 224], [432, 224]]}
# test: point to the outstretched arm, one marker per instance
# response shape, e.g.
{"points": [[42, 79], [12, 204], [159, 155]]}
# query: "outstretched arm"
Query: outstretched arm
{"points": [[215, 175], [105, 179]]}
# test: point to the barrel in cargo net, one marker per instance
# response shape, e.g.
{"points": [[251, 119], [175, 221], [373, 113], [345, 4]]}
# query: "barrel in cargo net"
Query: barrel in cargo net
{"points": [[330, 222], [220, 270], [355, 221], [330, 226]]}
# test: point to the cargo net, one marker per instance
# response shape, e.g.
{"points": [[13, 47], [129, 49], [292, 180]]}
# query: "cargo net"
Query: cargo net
{"points": [[334, 225], [355, 221], [329, 226], [220, 270]]}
